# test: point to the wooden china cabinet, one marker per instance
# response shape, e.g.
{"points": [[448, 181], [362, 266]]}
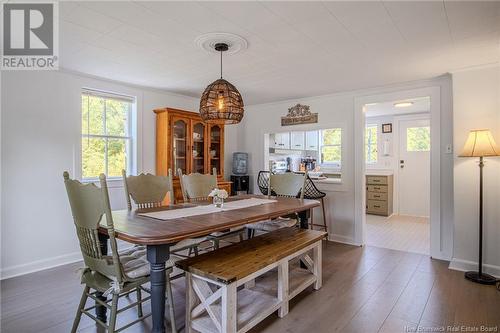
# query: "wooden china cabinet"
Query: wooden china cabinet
{"points": [[184, 141]]}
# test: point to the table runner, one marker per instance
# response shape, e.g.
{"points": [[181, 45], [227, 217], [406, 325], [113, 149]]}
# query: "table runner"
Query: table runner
{"points": [[206, 209]]}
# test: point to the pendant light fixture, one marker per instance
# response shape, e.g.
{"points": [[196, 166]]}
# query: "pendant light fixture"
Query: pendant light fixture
{"points": [[221, 102]]}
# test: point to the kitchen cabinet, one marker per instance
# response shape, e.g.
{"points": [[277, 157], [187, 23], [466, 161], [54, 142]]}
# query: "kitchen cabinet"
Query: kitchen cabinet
{"points": [[282, 140], [297, 140], [379, 194], [312, 138]]}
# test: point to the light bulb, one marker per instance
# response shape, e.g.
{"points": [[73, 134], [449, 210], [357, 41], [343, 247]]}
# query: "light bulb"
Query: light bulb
{"points": [[220, 101]]}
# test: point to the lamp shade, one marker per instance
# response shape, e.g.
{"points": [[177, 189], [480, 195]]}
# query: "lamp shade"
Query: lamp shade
{"points": [[221, 103], [480, 143]]}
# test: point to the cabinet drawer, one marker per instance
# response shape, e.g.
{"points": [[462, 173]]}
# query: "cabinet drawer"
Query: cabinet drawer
{"points": [[376, 196], [376, 188], [374, 206], [373, 180]]}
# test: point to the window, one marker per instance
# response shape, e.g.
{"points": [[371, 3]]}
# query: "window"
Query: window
{"points": [[371, 144], [106, 134], [418, 138], [331, 147]]}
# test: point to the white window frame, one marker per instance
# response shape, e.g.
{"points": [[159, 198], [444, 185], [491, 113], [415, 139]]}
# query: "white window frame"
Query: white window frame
{"points": [[337, 165], [131, 132], [371, 144]]}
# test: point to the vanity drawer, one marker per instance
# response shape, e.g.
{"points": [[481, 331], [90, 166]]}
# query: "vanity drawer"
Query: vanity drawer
{"points": [[376, 196], [376, 188], [373, 180], [376, 207]]}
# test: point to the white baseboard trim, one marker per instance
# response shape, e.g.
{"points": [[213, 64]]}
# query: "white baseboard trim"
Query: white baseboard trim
{"points": [[466, 265], [342, 239], [39, 265]]}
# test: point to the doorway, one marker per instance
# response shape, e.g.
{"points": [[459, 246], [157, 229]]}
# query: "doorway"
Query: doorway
{"points": [[397, 174]]}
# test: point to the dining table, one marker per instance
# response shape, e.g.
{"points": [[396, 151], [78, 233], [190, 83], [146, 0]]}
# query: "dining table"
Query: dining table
{"points": [[158, 235]]}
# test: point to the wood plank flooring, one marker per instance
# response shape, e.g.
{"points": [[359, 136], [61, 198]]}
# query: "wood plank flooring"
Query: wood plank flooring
{"points": [[365, 289]]}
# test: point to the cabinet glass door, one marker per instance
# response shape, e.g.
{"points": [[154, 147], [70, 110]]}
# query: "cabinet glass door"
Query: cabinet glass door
{"points": [[215, 148], [179, 145], [198, 149]]}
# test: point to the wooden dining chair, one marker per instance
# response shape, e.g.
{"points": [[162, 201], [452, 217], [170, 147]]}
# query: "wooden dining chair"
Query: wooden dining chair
{"points": [[117, 274], [149, 191], [195, 188], [289, 185]]}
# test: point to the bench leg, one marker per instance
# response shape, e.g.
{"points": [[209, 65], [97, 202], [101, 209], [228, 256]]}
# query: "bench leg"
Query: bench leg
{"points": [[190, 302], [250, 284], [283, 288], [317, 259], [229, 319]]}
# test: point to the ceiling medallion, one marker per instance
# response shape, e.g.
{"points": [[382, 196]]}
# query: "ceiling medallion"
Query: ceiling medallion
{"points": [[221, 102], [234, 42]]}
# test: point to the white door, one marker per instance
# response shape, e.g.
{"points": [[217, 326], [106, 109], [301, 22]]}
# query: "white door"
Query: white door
{"points": [[414, 167]]}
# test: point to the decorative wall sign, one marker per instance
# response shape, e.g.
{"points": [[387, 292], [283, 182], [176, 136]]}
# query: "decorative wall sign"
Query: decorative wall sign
{"points": [[387, 128], [299, 114]]}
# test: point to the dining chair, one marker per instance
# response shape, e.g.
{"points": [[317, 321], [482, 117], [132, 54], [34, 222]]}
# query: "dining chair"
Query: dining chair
{"points": [[118, 274], [149, 191], [195, 188], [310, 192], [289, 185]]}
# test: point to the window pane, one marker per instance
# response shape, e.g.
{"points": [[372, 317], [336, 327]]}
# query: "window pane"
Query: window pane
{"points": [[92, 115], [330, 154], [418, 139], [371, 143], [117, 117], [332, 136], [117, 157], [93, 162]]}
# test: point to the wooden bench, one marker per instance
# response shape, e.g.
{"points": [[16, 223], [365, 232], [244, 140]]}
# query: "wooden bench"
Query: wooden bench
{"points": [[220, 292]]}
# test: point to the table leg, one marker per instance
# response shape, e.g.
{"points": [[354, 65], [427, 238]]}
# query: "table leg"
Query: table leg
{"points": [[304, 224], [100, 310], [157, 256], [303, 218]]}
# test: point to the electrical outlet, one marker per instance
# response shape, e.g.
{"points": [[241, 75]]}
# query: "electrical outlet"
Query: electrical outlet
{"points": [[449, 149]]}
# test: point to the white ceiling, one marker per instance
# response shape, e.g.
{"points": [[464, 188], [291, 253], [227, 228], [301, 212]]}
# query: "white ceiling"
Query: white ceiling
{"points": [[420, 105], [295, 49]]}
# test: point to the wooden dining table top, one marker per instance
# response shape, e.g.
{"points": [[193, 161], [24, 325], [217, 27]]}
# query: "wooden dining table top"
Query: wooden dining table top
{"points": [[134, 228]]}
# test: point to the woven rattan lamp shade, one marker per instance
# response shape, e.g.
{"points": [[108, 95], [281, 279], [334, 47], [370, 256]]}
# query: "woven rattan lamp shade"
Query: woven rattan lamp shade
{"points": [[221, 103]]}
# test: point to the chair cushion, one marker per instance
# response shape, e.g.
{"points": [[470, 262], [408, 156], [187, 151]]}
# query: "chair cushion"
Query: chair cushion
{"points": [[271, 225], [135, 264]]}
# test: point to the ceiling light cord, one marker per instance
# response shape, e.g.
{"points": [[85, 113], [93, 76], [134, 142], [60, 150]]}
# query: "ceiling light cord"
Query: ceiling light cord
{"points": [[221, 64]]}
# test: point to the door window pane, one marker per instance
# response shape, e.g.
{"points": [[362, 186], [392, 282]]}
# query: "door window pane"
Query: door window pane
{"points": [[418, 138], [371, 144]]}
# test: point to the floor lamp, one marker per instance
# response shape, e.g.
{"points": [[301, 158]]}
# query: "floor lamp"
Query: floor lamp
{"points": [[480, 144]]}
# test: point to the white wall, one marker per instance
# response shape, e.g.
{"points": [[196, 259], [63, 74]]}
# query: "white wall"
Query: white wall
{"points": [[339, 109], [476, 104], [383, 161], [40, 138]]}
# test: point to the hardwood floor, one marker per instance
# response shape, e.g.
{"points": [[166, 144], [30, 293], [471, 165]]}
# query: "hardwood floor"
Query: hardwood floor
{"points": [[365, 289]]}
